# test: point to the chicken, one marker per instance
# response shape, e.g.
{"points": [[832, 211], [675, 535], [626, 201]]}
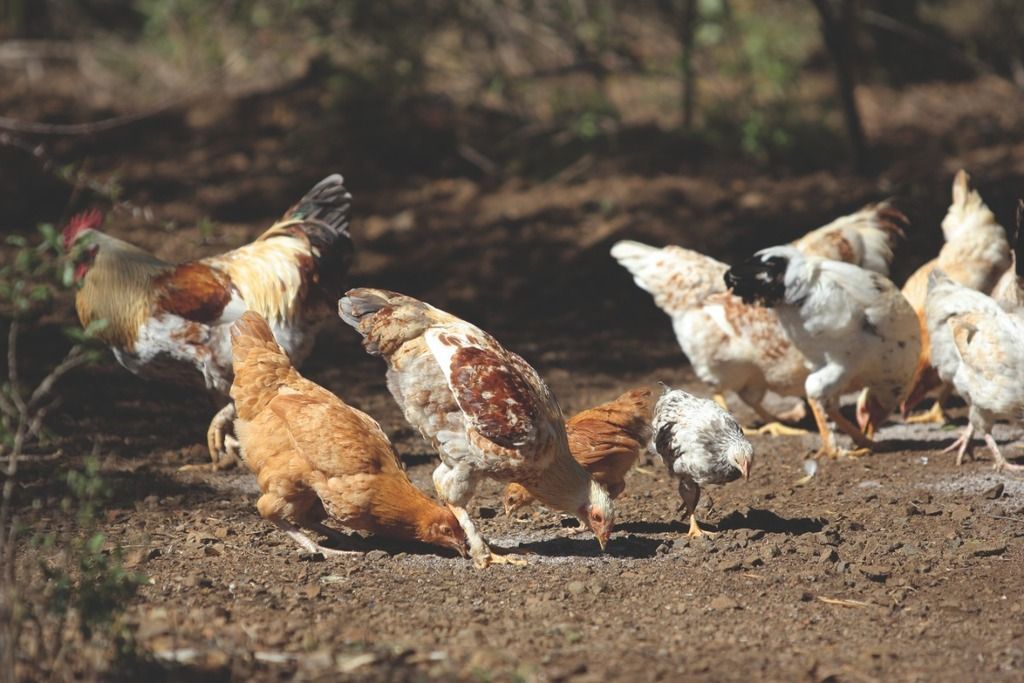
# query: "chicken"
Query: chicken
{"points": [[606, 440], [483, 408], [854, 326], [975, 254], [315, 457], [730, 345], [1010, 288], [990, 376], [171, 322], [735, 346], [701, 444], [866, 238]]}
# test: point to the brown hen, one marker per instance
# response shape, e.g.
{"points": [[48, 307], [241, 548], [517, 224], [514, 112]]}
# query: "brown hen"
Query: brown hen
{"points": [[606, 439], [315, 457]]}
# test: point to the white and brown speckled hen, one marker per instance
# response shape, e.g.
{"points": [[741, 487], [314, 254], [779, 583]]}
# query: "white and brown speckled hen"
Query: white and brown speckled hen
{"points": [[484, 409], [701, 444], [737, 347]]}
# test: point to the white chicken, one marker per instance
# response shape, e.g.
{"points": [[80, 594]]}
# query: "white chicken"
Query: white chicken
{"points": [[742, 348], [990, 376], [701, 444], [1010, 288], [975, 253], [483, 408], [854, 327]]}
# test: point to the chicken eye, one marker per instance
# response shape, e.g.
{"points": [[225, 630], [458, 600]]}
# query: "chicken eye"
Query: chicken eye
{"points": [[598, 517]]}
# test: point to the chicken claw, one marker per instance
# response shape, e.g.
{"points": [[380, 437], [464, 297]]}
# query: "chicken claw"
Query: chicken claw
{"points": [[695, 530], [776, 429], [220, 439], [934, 415], [308, 544], [1001, 462], [499, 558], [963, 445]]}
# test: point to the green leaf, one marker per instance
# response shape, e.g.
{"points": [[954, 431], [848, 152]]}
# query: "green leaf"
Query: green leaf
{"points": [[95, 544]]}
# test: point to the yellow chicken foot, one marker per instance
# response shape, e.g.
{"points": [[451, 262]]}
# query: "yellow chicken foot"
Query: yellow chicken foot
{"points": [[934, 415], [695, 530], [720, 400], [777, 429]]}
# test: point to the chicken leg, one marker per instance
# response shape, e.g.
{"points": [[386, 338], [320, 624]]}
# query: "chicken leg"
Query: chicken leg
{"points": [[689, 491], [828, 438], [224, 448], [774, 425], [962, 445], [455, 487], [1001, 462], [306, 543], [935, 414], [481, 553]]}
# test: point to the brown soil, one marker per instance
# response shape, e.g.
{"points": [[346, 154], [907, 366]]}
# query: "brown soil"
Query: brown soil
{"points": [[895, 566]]}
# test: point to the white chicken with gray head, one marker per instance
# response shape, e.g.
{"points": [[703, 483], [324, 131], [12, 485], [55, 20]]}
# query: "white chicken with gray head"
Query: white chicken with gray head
{"points": [[701, 444]]}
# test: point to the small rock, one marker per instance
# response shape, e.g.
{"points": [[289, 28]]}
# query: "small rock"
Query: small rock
{"points": [[376, 556], [211, 551], [983, 549], [913, 509], [733, 565], [828, 555], [753, 560], [995, 492], [575, 587], [874, 572], [663, 549], [723, 602], [487, 512]]}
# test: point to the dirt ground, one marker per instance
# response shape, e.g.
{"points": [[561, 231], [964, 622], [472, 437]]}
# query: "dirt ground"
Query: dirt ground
{"points": [[897, 566]]}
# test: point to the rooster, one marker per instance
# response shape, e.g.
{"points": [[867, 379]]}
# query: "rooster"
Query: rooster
{"points": [[483, 408], [975, 254], [743, 348], [315, 457], [606, 439], [171, 321], [854, 326]]}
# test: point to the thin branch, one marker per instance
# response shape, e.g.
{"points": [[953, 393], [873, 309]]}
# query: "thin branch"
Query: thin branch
{"points": [[12, 369], [75, 357], [88, 128]]}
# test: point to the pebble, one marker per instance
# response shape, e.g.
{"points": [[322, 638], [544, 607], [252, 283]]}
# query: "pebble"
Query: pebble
{"points": [[575, 587], [995, 492], [984, 549], [874, 572], [376, 556], [723, 602]]}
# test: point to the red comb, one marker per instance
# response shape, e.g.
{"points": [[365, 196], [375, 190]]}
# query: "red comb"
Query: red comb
{"points": [[89, 219]]}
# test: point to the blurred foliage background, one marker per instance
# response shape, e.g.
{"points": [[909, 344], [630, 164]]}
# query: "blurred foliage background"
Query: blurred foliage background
{"points": [[493, 77]]}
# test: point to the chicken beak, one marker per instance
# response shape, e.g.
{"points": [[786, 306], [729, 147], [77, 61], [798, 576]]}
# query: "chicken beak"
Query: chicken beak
{"points": [[745, 469], [602, 541]]}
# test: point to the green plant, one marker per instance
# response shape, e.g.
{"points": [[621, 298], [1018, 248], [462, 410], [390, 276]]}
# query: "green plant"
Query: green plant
{"points": [[89, 585]]}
